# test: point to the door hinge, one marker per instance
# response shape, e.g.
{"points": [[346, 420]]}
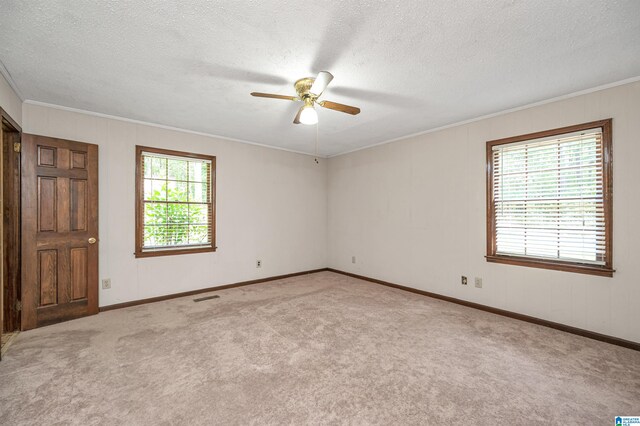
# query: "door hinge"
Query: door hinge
{"points": [[17, 146], [18, 306]]}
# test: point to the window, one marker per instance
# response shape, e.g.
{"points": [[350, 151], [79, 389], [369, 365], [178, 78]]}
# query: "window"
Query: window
{"points": [[549, 199], [175, 193]]}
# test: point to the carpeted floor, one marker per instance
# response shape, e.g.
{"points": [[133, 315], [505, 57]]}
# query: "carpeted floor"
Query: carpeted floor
{"points": [[6, 340], [315, 349]]}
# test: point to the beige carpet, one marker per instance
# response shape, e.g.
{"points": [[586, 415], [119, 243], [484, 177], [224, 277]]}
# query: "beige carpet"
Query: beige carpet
{"points": [[316, 349], [6, 340]]}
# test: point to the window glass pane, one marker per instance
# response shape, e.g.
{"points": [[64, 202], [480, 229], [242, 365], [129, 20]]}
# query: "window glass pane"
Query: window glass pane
{"points": [[177, 169], [146, 164], [155, 213], [199, 213], [155, 235], [542, 184], [155, 190], [511, 240], [541, 242], [155, 230], [158, 168], [542, 158], [178, 213], [178, 234], [198, 234], [198, 171], [581, 152], [513, 162], [512, 187], [177, 191], [198, 192]]}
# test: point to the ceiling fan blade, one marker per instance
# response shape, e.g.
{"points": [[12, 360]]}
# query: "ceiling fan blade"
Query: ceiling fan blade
{"points": [[321, 82], [271, 95], [297, 119], [340, 107]]}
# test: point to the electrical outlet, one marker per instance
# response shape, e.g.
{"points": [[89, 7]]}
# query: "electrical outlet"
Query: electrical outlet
{"points": [[258, 263], [106, 283], [353, 259], [478, 282], [463, 280]]}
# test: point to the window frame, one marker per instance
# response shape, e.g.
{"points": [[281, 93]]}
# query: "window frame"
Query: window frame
{"points": [[605, 270], [139, 194]]}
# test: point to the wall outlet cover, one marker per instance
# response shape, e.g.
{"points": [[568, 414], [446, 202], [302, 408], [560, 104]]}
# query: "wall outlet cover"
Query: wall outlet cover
{"points": [[478, 282], [463, 280], [258, 263], [106, 283]]}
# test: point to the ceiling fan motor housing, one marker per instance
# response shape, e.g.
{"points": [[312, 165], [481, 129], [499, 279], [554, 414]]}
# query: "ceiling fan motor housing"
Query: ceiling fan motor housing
{"points": [[303, 86]]}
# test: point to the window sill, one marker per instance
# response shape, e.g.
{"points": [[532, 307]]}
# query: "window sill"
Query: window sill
{"points": [[580, 268], [172, 252]]}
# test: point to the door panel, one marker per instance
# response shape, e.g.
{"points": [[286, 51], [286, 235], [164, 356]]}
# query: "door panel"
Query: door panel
{"points": [[46, 156], [46, 204], [78, 205], [79, 266], [60, 227], [48, 277], [78, 160]]}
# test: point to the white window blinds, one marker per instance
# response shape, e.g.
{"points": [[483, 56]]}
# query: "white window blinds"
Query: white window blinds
{"points": [[548, 198]]}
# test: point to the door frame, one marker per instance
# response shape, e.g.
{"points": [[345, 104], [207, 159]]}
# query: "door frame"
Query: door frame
{"points": [[10, 284]]}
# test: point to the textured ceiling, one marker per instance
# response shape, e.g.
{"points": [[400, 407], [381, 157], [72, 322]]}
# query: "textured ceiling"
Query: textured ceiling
{"points": [[409, 65]]}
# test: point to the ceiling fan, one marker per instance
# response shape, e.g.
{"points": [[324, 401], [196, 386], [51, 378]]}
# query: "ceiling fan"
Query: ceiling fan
{"points": [[309, 89]]}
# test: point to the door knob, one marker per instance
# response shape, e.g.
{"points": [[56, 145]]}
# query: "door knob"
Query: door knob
{"points": [[92, 240]]}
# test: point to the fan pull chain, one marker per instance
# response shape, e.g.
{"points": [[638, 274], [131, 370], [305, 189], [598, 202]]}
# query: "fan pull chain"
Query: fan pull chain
{"points": [[316, 150]]}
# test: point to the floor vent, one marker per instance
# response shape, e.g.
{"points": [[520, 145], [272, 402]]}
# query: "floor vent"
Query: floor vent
{"points": [[202, 299]]}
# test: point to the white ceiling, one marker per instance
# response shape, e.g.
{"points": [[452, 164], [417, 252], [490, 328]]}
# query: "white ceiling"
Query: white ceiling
{"points": [[410, 65]]}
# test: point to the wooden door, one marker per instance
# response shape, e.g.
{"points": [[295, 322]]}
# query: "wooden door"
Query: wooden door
{"points": [[59, 230]]}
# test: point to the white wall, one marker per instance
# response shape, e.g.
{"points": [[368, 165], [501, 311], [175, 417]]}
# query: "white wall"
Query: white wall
{"points": [[271, 205], [413, 213], [9, 101]]}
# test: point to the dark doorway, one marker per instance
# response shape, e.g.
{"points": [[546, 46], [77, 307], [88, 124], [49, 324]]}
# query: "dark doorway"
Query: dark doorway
{"points": [[10, 136]]}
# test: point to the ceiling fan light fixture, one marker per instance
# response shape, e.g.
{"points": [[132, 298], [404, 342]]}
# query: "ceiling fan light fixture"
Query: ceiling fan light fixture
{"points": [[308, 115]]}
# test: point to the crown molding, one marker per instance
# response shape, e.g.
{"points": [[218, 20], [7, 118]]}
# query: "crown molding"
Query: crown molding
{"points": [[162, 126], [424, 132], [495, 114], [7, 76]]}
